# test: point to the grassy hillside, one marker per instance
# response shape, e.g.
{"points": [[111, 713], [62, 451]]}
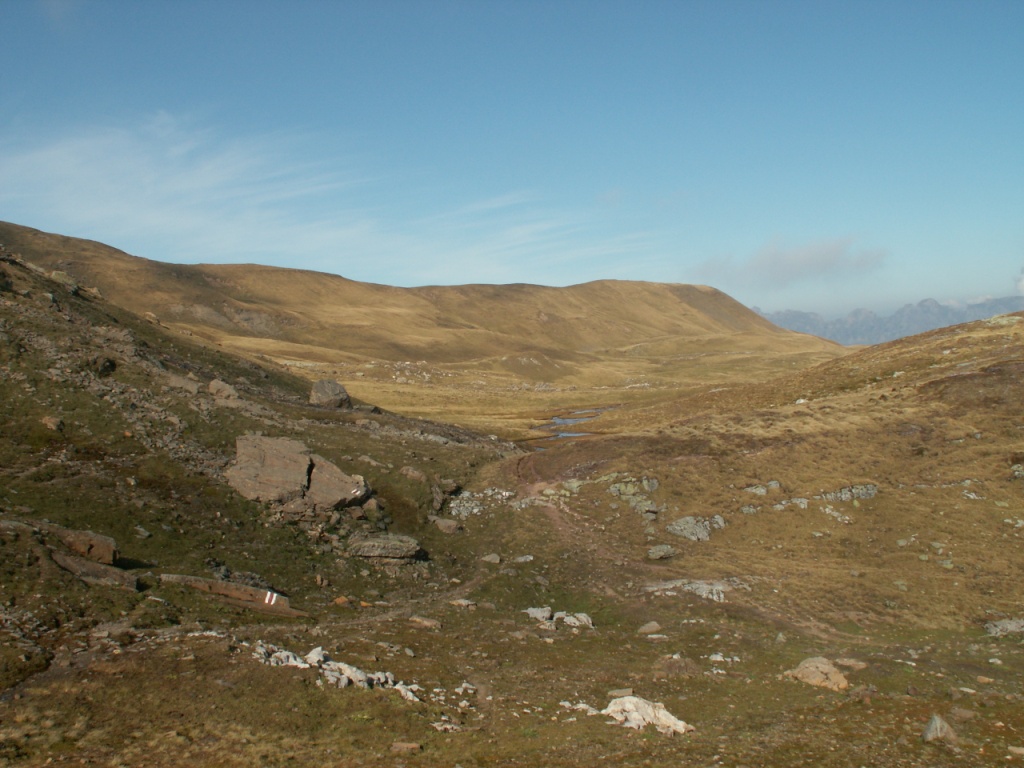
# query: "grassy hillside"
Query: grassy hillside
{"points": [[759, 510], [456, 353]]}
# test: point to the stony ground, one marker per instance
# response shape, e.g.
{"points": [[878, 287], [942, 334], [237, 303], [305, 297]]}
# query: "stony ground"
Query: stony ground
{"points": [[698, 547]]}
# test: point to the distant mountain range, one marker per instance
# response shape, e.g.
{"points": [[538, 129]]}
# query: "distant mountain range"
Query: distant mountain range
{"points": [[862, 326]]}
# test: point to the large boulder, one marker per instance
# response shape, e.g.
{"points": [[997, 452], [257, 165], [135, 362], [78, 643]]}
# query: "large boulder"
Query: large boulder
{"points": [[270, 469], [330, 488], [329, 394], [280, 470]]}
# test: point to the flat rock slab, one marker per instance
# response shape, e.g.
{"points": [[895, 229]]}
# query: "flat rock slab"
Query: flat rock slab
{"points": [[95, 573], [820, 672], [392, 546], [254, 598], [93, 546]]}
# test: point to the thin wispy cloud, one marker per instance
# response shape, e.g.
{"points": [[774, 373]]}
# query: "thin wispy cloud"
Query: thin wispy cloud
{"points": [[779, 266], [173, 191]]}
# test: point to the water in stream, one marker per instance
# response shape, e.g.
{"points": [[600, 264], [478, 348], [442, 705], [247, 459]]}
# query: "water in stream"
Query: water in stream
{"points": [[556, 427]]}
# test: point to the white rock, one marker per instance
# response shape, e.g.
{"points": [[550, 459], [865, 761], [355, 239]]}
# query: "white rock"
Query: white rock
{"points": [[406, 692], [634, 712], [939, 730], [316, 657], [287, 659], [539, 614]]}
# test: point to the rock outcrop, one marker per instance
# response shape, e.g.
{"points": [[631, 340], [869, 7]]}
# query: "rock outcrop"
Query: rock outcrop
{"points": [[263, 600]]}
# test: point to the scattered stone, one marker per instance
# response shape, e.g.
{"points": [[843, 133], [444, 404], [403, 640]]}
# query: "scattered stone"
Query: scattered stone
{"points": [[1005, 627], [762, 490], [446, 525], [334, 673], [102, 365], [819, 671], [851, 492], [406, 747], [494, 558], [939, 730], [413, 474], [328, 393], [540, 614], [661, 552], [635, 712], [961, 715], [650, 628], [579, 706], [695, 528], [53, 423], [709, 590], [180, 382], [575, 619], [676, 665], [692, 528], [222, 390]]}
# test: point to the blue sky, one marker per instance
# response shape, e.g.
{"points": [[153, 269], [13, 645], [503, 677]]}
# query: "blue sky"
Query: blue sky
{"points": [[806, 155]]}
